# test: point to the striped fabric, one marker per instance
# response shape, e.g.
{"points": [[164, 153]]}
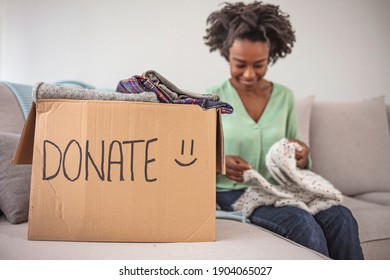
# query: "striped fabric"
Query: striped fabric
{"points": [[138, 84], [22, 94]]}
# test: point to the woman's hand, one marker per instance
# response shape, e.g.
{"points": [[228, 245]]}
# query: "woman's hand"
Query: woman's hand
{"points": [[301, 156], [235, 166]]}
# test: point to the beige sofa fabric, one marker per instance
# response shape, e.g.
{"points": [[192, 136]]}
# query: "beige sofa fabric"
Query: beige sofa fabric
{"points": [[388, 116], [374, 227], [350, 145], [304, 108], [235, 241]]}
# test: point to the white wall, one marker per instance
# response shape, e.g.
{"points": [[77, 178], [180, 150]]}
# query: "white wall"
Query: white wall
{"points": [[341, 52]]}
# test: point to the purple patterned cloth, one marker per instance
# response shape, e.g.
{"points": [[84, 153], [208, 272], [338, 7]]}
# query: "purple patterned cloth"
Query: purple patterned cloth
{"points": [[138, 84]]}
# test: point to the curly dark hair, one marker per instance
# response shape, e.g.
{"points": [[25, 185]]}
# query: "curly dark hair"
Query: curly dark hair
{"points": [[256, 22]]}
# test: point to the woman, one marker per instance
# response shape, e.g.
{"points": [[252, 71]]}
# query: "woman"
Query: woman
{"points": [[250, 37]]}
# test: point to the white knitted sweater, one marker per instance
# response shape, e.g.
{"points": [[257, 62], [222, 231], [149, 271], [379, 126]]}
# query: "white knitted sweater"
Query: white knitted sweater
{"points": [[297, 187]]}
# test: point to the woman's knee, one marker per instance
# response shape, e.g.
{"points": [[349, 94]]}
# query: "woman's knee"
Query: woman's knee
{"points": [[293, 223], [286, 220], [336, 216]]}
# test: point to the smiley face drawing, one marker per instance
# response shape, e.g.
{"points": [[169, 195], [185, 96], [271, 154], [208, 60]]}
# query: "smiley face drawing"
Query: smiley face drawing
{"points": [[182, 153]]}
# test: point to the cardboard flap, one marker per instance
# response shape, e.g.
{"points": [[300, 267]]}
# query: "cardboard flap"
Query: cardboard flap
{"points": [[221, 167], [24, 150]]}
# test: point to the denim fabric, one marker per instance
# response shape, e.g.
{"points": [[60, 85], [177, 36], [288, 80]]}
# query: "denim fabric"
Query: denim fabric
{"points": [[332, 232]]}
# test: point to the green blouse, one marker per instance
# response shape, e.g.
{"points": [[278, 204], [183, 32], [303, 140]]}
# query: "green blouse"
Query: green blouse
{"points": [[249, 139]]}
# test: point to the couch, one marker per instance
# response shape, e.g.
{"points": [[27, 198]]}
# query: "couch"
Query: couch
{"points": [[350, 146]]}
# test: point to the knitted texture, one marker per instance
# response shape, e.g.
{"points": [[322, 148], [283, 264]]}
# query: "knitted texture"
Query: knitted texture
{"points": [[48, 91], [23, 95], [298, 187]]}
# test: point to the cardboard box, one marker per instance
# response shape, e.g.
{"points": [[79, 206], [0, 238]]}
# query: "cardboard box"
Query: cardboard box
{"points": [[121, 171]]}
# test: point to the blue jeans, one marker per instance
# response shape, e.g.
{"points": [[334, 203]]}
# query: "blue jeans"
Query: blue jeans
{"points": [[332, 232]]}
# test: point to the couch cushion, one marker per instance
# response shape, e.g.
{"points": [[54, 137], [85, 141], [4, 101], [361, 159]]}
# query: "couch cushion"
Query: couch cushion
{"points": [[350, 145], [388, 115], [11, 114], [374, 227], [304, 108], [235, 241], [382, 198], [14, 181]]}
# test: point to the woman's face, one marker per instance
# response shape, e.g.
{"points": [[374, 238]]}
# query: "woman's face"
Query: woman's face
{"points": [[248, 63]]}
